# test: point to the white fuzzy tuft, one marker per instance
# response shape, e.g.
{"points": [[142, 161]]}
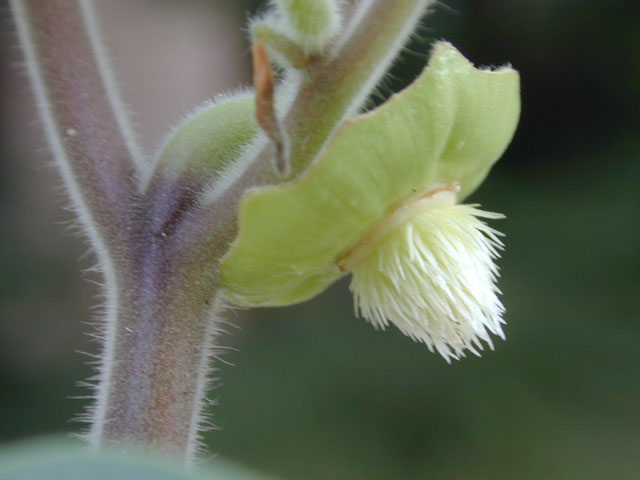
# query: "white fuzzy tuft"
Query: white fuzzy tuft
{"points": [[434, 277]]}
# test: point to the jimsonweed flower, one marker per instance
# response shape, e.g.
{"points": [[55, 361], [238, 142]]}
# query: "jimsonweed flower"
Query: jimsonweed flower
{"points": [[382, 202]]}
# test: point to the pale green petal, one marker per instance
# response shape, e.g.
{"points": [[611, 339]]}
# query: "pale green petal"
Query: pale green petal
{"points": [[450, 125]]}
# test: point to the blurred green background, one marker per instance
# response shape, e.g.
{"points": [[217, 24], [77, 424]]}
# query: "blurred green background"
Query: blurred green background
{"points": [[311, 392]]}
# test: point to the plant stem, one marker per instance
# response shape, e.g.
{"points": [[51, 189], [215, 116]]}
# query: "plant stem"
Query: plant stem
{"points": [[82, 118], [161, 351], [337, 87], [157, 329]]}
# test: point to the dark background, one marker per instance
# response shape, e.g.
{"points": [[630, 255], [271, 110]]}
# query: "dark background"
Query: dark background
{"points": [[312, 392]]}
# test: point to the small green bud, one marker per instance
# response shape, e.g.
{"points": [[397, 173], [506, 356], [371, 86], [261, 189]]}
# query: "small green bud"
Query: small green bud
{"points": [[311, 23], [210, 138]]}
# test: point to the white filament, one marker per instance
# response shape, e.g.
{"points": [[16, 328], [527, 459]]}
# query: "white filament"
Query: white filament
{"points": [[434, 277]]}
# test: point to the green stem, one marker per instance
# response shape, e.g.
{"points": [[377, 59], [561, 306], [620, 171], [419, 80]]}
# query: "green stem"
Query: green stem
{"points": [[337, 87]]}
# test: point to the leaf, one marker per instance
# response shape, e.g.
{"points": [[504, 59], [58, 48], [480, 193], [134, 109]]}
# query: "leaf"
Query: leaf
{"points": [[61, 459]]}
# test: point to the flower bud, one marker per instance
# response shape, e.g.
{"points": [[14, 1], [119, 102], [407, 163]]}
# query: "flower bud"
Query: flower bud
{"points": [[209, 139], [311, 23]]}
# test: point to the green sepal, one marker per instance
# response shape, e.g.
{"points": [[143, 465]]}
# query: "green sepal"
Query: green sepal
{"points": [[450, 125]]}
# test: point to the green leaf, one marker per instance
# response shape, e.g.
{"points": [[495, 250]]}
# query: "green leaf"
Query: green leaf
{"points": [[61, 459], [449, 126]]}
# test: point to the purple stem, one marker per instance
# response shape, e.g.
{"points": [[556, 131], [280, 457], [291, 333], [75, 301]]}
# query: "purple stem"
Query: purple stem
{"points": [[88, 139]]}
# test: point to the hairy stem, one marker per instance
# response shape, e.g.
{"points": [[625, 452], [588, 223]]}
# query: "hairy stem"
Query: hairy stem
{"points": [[164, 337], [157, 329], [155, 394], [337, 87], [82, 117]]}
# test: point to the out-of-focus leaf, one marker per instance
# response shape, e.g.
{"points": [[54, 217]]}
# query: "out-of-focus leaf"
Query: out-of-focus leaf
{"points": [[61, 459]]}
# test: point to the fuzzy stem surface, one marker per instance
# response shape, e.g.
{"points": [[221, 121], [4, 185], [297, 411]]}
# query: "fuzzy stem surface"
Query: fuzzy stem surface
{"points": [[91, 143], [164, 338], [157, 331]]}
